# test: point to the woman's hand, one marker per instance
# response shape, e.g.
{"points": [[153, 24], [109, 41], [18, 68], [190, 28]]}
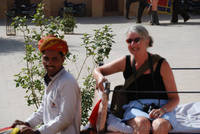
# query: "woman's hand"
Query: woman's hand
{"points": [[99, 83], [156, 113], [108, 69]]}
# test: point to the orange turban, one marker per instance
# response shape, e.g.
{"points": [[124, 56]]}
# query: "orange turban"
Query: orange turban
{"points": [[53, 43]]}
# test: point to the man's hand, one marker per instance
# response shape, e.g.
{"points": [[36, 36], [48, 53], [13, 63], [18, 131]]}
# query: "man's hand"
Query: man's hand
{"points": [[27, 130], [18, 122]]}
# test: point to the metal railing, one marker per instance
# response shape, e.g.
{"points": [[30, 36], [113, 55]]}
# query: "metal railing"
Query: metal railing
{"points": [[185, 68]]}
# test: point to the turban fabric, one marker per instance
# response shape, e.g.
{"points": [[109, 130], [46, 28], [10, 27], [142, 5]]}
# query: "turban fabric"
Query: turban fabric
{"points": [[52, 43]]}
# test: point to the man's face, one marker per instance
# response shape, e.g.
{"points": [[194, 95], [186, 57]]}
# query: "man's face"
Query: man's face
{"points": [[52, 61]]}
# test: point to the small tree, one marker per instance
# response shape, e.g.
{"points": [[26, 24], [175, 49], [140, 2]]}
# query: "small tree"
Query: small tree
{"points": [[98, 47]]}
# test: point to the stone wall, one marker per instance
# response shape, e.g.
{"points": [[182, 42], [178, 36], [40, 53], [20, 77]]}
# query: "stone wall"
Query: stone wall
{"points": [[8, 4], [3, 8], [94, 8], [88, 5], [52, 7]]}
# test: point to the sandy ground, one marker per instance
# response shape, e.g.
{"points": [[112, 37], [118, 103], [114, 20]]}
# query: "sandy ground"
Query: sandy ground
{"points": [[179, 44]]}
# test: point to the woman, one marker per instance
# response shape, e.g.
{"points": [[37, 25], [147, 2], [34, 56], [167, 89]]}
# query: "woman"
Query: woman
{"points": [[161, 119]]}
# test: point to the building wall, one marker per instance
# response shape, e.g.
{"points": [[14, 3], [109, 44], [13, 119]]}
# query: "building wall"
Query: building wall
{"points": [[35, 1], [8, 4], [3, 8], [76, 1], [52, 7], [88, 5], [97, 8], [94, 8], [133, 9], [121, 7]]}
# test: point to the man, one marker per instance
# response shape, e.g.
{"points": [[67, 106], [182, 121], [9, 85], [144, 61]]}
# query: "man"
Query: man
{"points": [[142, 5], [60, 111], [179, 7]]}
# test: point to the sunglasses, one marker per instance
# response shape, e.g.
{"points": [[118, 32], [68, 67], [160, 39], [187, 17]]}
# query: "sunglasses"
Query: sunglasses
{"points": [[136, 40]]}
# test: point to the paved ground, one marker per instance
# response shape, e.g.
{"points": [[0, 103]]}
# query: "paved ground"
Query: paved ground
{"points": [[178, 43]]}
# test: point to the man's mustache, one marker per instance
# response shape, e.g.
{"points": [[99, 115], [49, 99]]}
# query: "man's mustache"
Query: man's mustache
{"points": [[50, 66]]}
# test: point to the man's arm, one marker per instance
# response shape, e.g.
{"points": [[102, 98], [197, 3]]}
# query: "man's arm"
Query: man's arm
{"points": [[37, 117], [27, 126]]}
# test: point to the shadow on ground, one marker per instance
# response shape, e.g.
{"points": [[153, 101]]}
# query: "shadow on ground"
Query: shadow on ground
{"points": [[122, 19], [117, 19], [2, 22], [180, 23], [10, 45], [102, 20]]}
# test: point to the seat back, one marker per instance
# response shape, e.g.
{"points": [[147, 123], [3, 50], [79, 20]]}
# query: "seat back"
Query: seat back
{"points": [[102, 114], [118, 100], [103, 108]]}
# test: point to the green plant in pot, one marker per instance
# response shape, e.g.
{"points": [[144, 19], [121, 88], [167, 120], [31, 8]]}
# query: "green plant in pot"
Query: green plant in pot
{"points": [[68, 23]]}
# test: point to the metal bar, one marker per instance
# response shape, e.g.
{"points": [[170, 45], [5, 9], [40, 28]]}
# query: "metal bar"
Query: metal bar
{"points": [[125, 91], [186, 68]]}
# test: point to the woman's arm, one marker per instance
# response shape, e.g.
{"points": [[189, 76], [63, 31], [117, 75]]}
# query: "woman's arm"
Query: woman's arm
{"points": [[110, 68], [170, 85]]}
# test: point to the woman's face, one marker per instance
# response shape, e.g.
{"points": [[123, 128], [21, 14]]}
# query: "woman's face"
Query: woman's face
{"points": [[136, 43]]}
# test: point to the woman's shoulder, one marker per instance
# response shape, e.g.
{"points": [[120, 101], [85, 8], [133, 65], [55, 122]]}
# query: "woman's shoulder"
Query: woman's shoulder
{"points": [[156, 58]]}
